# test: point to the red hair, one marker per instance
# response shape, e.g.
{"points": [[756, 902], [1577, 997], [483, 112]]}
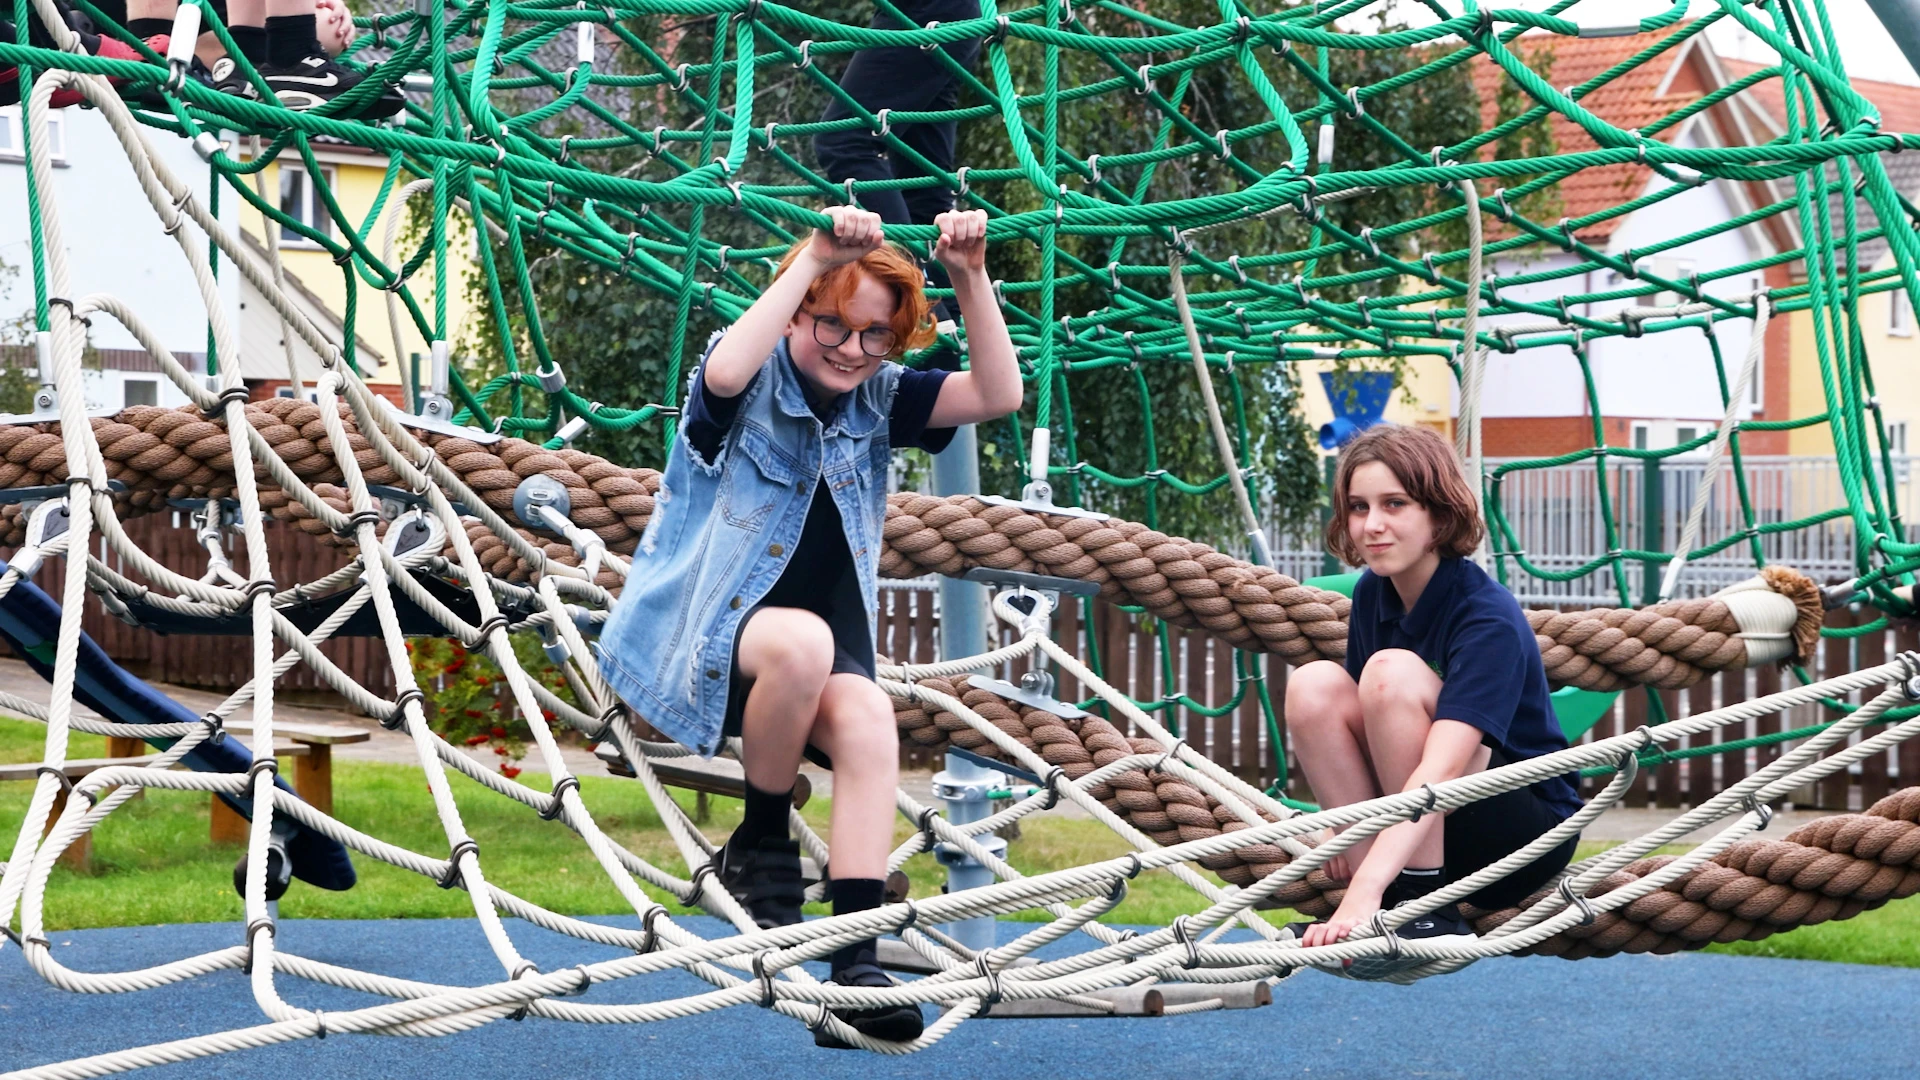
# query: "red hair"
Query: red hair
{"points": [[912, 322], [1428, 470]]}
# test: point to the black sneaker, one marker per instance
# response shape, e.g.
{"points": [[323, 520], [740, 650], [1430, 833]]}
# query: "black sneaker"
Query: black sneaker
{"points": [[894, 1023], [766, 880], [315, 80], [228, 79]]}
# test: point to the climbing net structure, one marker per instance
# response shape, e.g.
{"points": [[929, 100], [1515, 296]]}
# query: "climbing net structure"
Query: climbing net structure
{"points": [[506, 528]]}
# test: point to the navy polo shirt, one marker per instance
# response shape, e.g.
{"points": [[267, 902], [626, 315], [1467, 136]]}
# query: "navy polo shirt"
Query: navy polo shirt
{"points": [[1469, 629]]}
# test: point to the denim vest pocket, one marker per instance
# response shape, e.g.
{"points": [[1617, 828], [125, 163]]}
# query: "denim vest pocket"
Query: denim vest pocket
{"points": [[757, 474]]}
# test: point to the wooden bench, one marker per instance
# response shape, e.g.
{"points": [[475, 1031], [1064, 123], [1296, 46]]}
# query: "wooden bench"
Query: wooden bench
{"points": [[80, 855]]}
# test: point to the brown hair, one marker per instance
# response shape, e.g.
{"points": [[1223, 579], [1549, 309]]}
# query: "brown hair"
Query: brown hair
{"points": [[1427, 469], [912, 322]]}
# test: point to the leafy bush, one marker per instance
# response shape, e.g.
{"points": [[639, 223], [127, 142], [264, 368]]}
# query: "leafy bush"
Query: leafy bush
{"points": [[468, 699]]}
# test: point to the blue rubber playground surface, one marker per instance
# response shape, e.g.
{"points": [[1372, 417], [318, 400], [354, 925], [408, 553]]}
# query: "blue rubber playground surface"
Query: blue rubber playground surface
{"points": [[1684, 1016]]}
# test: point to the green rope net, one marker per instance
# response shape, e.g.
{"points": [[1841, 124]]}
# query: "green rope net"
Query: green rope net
{"points": [[655, 140]]}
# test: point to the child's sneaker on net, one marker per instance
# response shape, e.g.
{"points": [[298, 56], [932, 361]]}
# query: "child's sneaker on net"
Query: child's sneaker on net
{"points": [[229, 79], [765, 879], [894, 1023], [312, 81]]}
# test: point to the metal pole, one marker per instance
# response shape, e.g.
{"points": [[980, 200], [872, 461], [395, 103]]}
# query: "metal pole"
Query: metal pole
{"points": [[963, 784], [1901, 18]]}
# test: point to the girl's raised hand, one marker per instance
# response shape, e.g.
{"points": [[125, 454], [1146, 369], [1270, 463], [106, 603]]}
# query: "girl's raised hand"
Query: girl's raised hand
{"points": [[962, 246], [854, 233]]}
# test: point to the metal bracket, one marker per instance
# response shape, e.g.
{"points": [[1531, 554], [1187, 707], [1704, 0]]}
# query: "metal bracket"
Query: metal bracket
{"points": [[436, 415], [414, 530], [31, 497], [403, 500], [1032, 697], [538, 494]]}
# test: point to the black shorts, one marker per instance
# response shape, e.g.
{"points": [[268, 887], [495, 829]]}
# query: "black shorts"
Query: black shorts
{"points": [[1482, 833], [844, 663]]}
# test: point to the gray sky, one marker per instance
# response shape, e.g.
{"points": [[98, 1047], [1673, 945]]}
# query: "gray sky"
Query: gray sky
{"points": [[1864, 45]]}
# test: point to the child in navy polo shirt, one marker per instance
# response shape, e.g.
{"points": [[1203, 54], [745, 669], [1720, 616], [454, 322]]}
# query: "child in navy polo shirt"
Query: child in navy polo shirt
{"points": [[749, 610], [1442, 678]]}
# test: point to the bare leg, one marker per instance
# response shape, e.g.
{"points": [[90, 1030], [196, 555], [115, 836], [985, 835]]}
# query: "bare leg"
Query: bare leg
{"points": [[1329, 735], [788, 654], [1399, 695], [856, 728]]}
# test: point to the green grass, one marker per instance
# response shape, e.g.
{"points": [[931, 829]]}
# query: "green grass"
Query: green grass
{"points": [[153, 862]]}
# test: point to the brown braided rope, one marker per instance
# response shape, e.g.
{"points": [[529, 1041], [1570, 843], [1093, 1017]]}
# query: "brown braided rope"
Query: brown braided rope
{"points": [[1833, 868], [162, 454]]}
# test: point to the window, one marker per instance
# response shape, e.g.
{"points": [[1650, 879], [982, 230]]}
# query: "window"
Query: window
{"points": [[1642, 435], [1756, 394], [142, 392], [13, 143], [1899, 313], [1685, 434], [300, 201], [1897, 438]]}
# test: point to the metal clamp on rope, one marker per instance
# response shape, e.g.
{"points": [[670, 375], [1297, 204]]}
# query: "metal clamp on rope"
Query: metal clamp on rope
{"points": [[230, 394], [253, 928], [1193, 950], [1576, 901], [559, 791], [521, 970], [765, 977], [653, 934], [453, 876], [986, 970], [1432, 799], [551, 378], [60, 776], [1393, 940], [1133, 871], [216, 726], [931, 45], [260, 765], [1161, 762], [398, 717], [351, 525], [1052, 781], [710, 868], [913, 916], [926, 826], [1755, 806], [485, 630]]}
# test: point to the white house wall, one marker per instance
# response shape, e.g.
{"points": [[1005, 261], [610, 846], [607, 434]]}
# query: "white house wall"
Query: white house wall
{"points": [[112, 236], [1668, 375]]}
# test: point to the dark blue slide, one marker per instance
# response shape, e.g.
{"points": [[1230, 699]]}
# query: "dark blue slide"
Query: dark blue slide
{"points": [[30, 621]]}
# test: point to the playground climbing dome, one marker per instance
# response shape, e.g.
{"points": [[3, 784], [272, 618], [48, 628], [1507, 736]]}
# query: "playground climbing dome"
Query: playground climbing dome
{"points": [[474, 517]]}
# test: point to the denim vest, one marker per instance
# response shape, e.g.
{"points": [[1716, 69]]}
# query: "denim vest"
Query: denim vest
{"points": [[722, 532]]}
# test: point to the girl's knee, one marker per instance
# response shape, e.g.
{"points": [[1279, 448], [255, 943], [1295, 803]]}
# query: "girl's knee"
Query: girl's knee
{"points": [[859, 718], [787, 644], [1397, 675], [1320, 693]]}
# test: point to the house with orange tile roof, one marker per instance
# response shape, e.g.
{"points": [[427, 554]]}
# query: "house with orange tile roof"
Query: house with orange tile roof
{"points": [[1887, 322], [1661, 389]]}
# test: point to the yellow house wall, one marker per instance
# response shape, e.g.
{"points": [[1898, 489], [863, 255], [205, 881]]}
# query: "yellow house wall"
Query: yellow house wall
{"points": [[1895, 362], [1425, 395], [357, 179]]}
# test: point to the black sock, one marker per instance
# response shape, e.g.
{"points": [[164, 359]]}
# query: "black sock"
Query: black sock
{"points": [[146, 28], [291, 39], [766, 816], [1414, 883], [252, 41], [851, 895]]}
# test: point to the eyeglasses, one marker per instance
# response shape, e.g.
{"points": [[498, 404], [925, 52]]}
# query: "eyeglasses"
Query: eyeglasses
{"points": [[875, 341]]}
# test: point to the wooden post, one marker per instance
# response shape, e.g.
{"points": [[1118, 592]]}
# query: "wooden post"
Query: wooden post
{"points": [[79, 857], [313, 777], [118, 747], [227, 827]]}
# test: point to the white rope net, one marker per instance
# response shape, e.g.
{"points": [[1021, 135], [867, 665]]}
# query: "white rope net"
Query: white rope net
{"points": [[750, 968]]}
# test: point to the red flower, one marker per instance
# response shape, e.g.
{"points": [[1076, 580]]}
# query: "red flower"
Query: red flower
{"points": [[501, 750], [476, 740], [508, 771], [547, 715], [480, 680], [475, 713], [499, 732]]}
